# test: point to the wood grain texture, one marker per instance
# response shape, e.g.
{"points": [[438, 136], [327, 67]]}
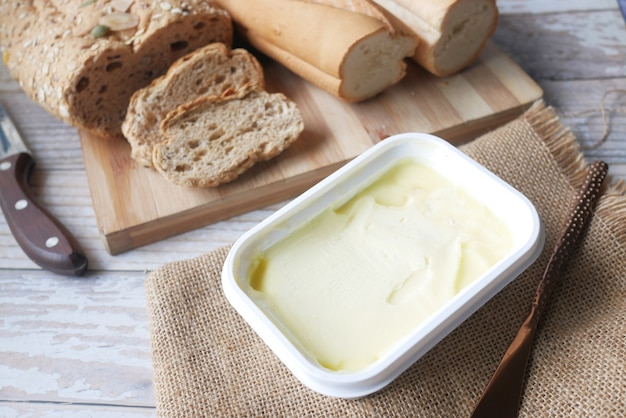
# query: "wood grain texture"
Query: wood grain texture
{"points": [[601, 134], [56, 332], [60, 182], [575, 46], [536, 7], [135, 206]]}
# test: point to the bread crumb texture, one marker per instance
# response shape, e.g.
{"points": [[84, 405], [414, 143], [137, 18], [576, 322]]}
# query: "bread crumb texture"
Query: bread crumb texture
{"points": [[213, 70], [331, 43], [83, 59], [464, 32], [451, 33], [212, 141]]}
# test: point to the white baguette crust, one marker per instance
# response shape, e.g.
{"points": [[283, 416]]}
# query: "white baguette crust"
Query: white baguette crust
{"points": [[214, 140], [213, 70], [87, 81], [336, 45], [364, 7], [451, 33]]}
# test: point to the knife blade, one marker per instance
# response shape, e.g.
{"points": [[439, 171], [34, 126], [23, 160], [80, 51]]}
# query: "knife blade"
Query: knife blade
{"points": [[42, 237]]}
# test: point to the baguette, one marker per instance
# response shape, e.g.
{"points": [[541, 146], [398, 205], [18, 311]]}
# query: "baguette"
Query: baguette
{"points": [[82, 59], [213, 140], [451, 33], [345, 47], [213, 70]]}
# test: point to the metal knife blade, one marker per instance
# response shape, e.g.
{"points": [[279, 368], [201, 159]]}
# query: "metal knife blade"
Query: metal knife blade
{"points": [[41, 236]]}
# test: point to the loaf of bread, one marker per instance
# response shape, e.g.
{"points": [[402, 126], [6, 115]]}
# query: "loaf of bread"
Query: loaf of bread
{"points": [[451, 33], [346, 47], [83, 59], [213, 140], [213, 70]]}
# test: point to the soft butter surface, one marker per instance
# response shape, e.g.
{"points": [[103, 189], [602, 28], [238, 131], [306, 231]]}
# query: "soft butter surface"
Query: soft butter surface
{"points": [[358, 278]]}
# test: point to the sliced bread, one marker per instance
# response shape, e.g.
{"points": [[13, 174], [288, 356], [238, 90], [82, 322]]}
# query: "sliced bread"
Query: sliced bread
{"points": [[451, 33], [213, 140], [82, 60], [213, 70]]}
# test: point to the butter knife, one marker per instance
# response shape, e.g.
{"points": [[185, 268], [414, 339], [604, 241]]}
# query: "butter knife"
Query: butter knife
{"points": [[503, 394], [44, 240]]}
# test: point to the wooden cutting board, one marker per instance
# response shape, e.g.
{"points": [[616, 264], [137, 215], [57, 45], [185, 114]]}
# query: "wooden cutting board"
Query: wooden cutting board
{"points": [[135, 206]]}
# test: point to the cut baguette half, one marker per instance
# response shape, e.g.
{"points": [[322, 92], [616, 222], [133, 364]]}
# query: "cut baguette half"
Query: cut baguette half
{"points": [[451, 33], [214, 70], [214, 140], [340, 48]]}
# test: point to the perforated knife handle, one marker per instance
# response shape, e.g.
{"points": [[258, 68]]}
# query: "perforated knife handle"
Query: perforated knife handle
{"points": [[41, 237]]}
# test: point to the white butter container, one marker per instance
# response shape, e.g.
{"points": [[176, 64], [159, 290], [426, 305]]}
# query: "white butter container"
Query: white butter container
{"points": [[505, 202]]}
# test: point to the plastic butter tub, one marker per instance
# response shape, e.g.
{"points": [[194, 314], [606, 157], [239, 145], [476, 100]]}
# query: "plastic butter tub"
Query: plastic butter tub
{"points": [[357, 278]]}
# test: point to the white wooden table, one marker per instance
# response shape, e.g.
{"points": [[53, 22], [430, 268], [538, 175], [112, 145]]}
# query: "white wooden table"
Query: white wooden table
{"points": [[81, 347]]}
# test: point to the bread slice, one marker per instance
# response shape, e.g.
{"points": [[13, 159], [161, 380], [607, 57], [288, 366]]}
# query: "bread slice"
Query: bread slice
{"points": [[213, 140], [346, 47], [213, 70], [451, 33], [82, 60]]}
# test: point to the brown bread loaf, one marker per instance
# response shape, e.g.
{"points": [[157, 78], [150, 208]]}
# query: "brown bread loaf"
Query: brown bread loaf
{"points": [[214, 140], [213, 70], [83, 59]]}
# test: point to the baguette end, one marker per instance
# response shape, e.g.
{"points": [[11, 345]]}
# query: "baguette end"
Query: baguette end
{"points": [[373, 64]]}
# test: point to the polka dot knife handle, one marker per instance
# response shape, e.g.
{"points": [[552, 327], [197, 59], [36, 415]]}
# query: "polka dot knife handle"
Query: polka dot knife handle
{"points": [[503, 394], [583, 208], [41, 237]]}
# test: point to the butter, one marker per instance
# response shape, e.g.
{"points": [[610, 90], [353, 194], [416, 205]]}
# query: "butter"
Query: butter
{"points": [[359, 278]]}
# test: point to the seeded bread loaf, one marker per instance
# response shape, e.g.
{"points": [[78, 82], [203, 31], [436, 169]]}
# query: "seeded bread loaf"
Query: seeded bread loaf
{"points": [[451, 33], [214, 140], [213, 70], [83, 59], [346, 47]]}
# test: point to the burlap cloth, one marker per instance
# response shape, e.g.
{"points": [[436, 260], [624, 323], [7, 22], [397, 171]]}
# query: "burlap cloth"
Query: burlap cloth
{"points": [[208, 362]]}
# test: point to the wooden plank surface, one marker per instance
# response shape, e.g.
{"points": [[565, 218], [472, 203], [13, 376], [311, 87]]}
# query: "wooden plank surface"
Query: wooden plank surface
{"points": [[552, 36], [135, 206], [76, 327]]}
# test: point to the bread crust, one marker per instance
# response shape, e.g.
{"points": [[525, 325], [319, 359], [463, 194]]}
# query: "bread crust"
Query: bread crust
{"points": [[451, 33], [87, 81], [213, 140], [213, 70], [289, 31]]}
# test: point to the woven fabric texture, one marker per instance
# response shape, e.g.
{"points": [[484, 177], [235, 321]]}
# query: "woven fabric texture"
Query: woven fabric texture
{"points": [[209, 363]]}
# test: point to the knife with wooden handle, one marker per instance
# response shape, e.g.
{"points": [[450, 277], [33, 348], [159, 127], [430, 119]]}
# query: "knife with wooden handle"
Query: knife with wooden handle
{"points": [[41, 236], [503, 394]]}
